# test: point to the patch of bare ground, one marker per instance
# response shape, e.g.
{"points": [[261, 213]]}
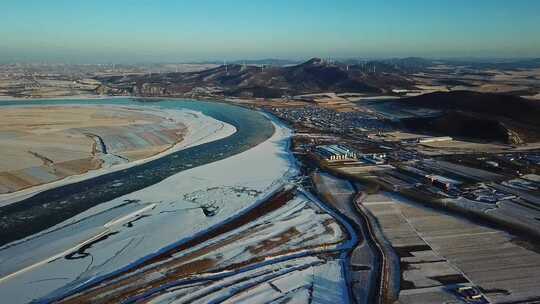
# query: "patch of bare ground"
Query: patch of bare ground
{"points": [[42, 144]]}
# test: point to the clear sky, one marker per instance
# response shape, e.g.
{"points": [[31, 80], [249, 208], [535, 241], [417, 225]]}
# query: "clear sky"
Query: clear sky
{"points": [[186, 30]]}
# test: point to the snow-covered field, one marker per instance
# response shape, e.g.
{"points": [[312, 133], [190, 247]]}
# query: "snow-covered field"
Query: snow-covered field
{"points": [[114, 235], [302, 280], [254, 253]]}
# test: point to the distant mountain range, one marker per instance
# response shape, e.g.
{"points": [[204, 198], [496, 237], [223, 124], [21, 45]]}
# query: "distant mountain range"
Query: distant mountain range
{"points": [[266, 61], [408, 63], [239, 80]]}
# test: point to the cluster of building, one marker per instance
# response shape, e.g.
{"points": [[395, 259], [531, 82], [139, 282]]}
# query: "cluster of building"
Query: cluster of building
{"points": [[330, 120], [339, 152], [435, 180]]}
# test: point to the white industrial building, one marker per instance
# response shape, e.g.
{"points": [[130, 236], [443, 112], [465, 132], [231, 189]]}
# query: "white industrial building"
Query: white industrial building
{"points": [[336, 152]]}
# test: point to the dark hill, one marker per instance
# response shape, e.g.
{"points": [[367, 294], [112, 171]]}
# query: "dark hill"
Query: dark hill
{"points": [[511, 107], [484, 116], [317, 76], [459, 124]]}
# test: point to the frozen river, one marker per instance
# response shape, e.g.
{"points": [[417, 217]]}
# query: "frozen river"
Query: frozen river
{"points": [[68, 200], [97, 226]]}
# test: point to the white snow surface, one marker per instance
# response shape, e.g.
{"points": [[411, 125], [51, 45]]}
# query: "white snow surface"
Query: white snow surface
{"points": [[299, 214], [29, 270], [302, 280], [316, 232]]}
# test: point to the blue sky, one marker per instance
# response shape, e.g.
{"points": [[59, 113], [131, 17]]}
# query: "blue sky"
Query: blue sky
{"points": [[167, 30]]}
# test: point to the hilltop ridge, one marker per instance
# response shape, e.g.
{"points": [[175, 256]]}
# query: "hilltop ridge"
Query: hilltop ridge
{"points": [[313, 76]]}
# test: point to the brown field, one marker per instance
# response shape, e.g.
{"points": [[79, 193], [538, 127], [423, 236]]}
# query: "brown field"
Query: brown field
{"points": [[459, 146], [494, 81], [43, 144], [331, 101]]}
